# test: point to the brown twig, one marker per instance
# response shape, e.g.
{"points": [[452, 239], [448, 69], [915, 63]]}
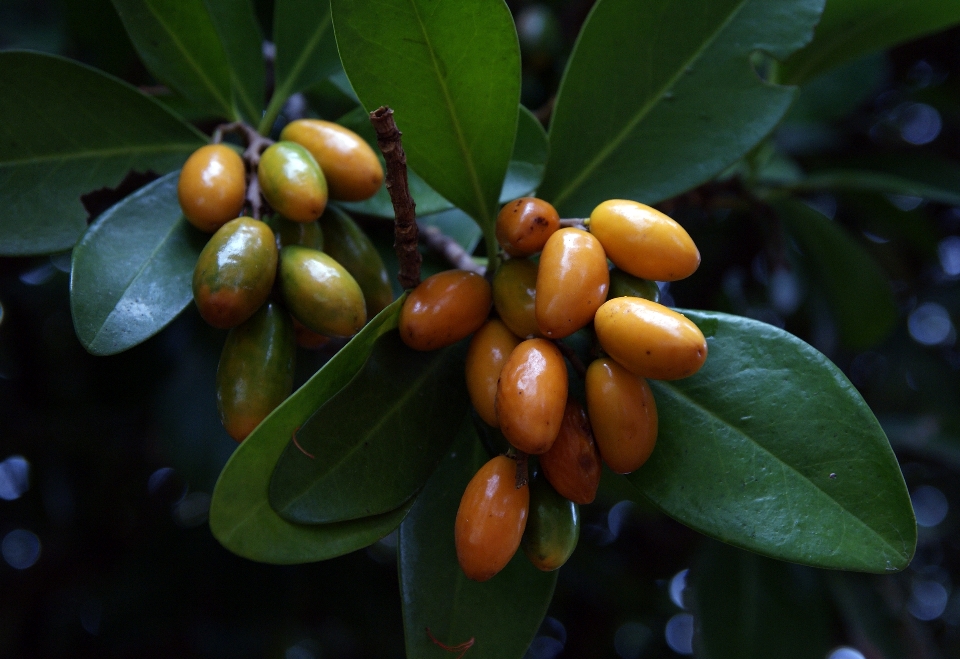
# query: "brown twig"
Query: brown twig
{"points": [[522, 478], [572, 357], [256, 145], [404, 208], [450, 249]]}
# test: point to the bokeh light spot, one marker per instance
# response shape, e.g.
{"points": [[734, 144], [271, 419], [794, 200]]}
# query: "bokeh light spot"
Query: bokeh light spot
{"points": [[14, 477], [679, 633], [930, 505], [20, 549], [930, 325]]}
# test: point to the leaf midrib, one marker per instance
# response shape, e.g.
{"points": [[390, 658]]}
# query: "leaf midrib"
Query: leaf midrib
{"points": [[449, 107], [710, 414], [644, 110], [410, 391]]}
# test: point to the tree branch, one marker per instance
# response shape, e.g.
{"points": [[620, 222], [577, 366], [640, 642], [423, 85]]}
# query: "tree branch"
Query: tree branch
{"points": [[450, 249]]}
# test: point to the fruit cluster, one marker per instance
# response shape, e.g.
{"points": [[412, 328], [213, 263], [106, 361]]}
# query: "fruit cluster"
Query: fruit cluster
{"points": [[305, 274], [517, 374]]}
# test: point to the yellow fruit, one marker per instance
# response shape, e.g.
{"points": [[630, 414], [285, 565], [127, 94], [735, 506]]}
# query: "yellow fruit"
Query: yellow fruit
{"points": [[531, 395], [489, 350], [320, 293], [212, 187], [524, 225], [572, 282], [443, 309], [291, 182], [624, 415]]}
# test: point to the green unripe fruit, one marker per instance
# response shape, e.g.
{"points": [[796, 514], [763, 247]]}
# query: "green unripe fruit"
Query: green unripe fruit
{"points": [[292, 182], [623, 284], [305, 234], [553, 527], [514, 296], [235, 272], [320, 293], [351, 248], [256, 370]]}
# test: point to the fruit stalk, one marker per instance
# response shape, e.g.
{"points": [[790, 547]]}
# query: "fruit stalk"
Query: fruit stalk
{"points": [[404, 208], [256, 144]]}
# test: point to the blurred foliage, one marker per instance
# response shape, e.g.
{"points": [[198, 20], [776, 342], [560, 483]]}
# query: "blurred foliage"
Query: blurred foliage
{"points": [[124, 451]]}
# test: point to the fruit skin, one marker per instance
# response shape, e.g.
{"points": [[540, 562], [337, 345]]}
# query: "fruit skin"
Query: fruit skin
{"points": [[320, 293], [212, 187], [623, 284], [256, 370], [643, 241], [649, 339], [624, 415], [572, 465], [235, 272], [553, 527], [531, 395], [351, 248], [444, 308], [306, 234], [524, 225], [572, 282], [307, 338], [489, 349], [350, 165], [491, 519], [292, 182], [514, 296]]}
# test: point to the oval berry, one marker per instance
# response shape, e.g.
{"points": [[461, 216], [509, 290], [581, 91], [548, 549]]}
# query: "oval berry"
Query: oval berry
{"points": [[349, 164], [524, 225], [624, 415], [572, 465], [350, 246], [443, 309], [489, 350], [292, 182], [490, 519], [212, 187], [553, 527], [643, 241], [531, 395], [255, 373], [514, 296], [572, 282], [235, 272], [320, 293], [649, 339]]}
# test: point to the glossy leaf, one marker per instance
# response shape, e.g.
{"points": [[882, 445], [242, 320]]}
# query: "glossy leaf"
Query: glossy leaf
{"points": [[929, 177], [65, 130], [771, 449], [859, 294], [306, 50], [240, 514], [457, 225], [643, 116], [751, 607], [132, 271], [239, 33], [528, 159], [376, 441], [178, 43], [451, 73], [502, 614], [850, 28]]}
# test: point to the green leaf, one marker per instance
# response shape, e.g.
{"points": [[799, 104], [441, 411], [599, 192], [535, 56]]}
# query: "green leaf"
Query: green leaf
{"points": [[859, 293], [645, 116], [178, 43], [936, 179], [457, 225], [132, 271], [67, 129], [306, 50], [239, 33], [502, 614], [851, 28], [528, 159], [375, 442], [451, 73], [771, 449], [750, 607], [240, 514]]}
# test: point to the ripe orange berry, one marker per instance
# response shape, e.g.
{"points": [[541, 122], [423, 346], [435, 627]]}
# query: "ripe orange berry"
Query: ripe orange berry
{"points": [[491, 519], [531, 395], [525, 224], [351, 167], [292, 182], [489, 349], [643, 241], [624, 415], [572, 282], [444, 308], [572, 465], [212, 187], [649, 339], [514, 295]]}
